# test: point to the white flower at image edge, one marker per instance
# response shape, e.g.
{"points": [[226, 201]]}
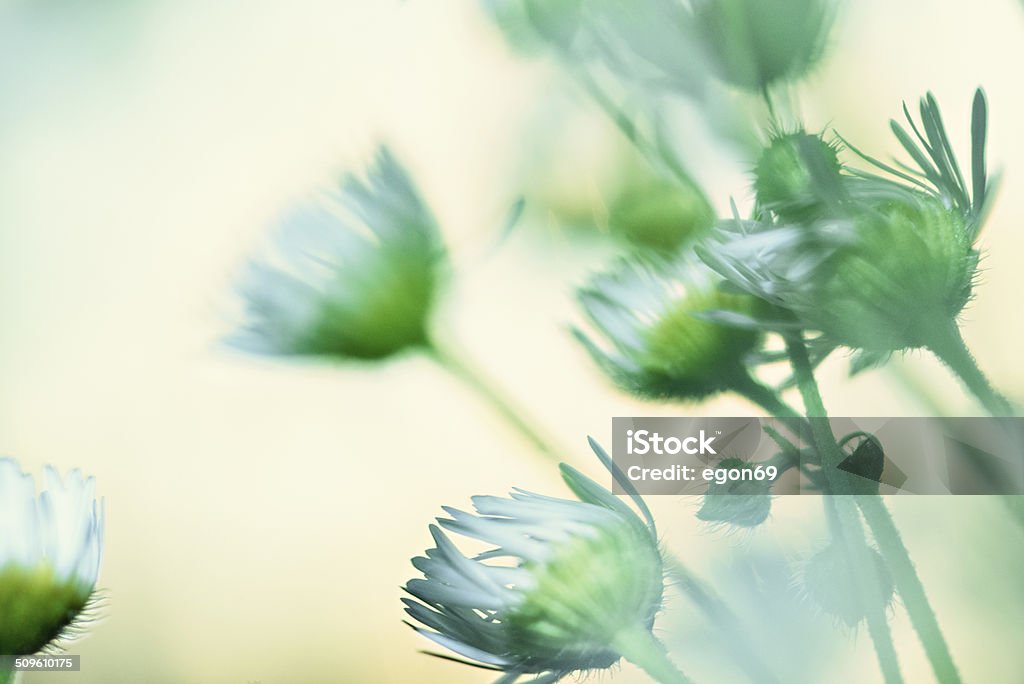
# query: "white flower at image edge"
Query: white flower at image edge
{"points": [[50, 549]]}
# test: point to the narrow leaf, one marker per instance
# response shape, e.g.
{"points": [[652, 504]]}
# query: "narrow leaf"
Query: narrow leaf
{"points": [[979, 131]]}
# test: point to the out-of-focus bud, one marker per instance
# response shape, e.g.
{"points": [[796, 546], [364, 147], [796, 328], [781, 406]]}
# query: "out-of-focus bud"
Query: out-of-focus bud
{"points": [[756, 43]]}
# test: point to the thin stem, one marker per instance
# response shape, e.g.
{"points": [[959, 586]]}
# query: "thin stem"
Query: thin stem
{"points": [[725, 620], [847, 527], [491, 393], [766, 94], [909, 585], [637, 645], [627, 127], [949, 346]]}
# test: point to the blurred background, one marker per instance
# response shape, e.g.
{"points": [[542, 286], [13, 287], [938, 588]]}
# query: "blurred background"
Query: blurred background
{"points": [[261, 515]]}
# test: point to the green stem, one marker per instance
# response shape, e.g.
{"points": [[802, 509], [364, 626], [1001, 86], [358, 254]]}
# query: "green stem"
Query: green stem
{"points": [[768, 399], [637, 645], [949, 346], [766, 94], [725, 620], [847, 528], [492, 394], [7, 676], [752, 390], [652, 153], [909, 585]]}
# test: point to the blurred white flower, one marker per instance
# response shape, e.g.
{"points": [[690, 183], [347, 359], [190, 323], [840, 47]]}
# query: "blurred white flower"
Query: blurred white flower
{"points": [[50, 549], [577, 584], [661, 341], [354, 275]]}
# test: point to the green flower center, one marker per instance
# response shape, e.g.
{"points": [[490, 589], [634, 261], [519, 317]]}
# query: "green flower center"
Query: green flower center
{"points": [[586, 594], [687, 348], [36, 607]]}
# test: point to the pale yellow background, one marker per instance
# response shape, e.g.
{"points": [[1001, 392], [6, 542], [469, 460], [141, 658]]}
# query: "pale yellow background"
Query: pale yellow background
{"points": [[261, 515]]}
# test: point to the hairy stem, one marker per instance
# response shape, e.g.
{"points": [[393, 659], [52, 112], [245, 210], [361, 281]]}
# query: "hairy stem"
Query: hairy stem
{"points": [[637, 645], [909, 585], [949, 346], [847, 528]]}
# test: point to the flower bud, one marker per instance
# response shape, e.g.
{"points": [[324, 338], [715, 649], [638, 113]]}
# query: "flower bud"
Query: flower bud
{"points": [[904, 277], [793, 173], [661, 345], [660, 215], [755, 43], [580, 573], [891, 274], [355, 274], [830, 582], [50, 550], [740, 503]]}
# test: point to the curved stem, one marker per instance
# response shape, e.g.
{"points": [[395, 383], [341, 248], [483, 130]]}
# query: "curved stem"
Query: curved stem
{"points": [[725, 620], [909, 585], [637, 645], [492, 394], [847, 527], [949, 346]]}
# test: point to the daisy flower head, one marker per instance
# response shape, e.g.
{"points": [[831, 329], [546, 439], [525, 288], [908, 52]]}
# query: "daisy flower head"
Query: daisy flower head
{"points": [[666, 329], [354, 274], [50, 549], [562, 585]]}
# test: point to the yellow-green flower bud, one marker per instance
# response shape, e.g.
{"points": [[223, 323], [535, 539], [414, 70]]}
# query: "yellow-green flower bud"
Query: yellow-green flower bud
{"points": [[892, 273], [903, 278], [661, 215], [660, 342], [792, 174]]}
